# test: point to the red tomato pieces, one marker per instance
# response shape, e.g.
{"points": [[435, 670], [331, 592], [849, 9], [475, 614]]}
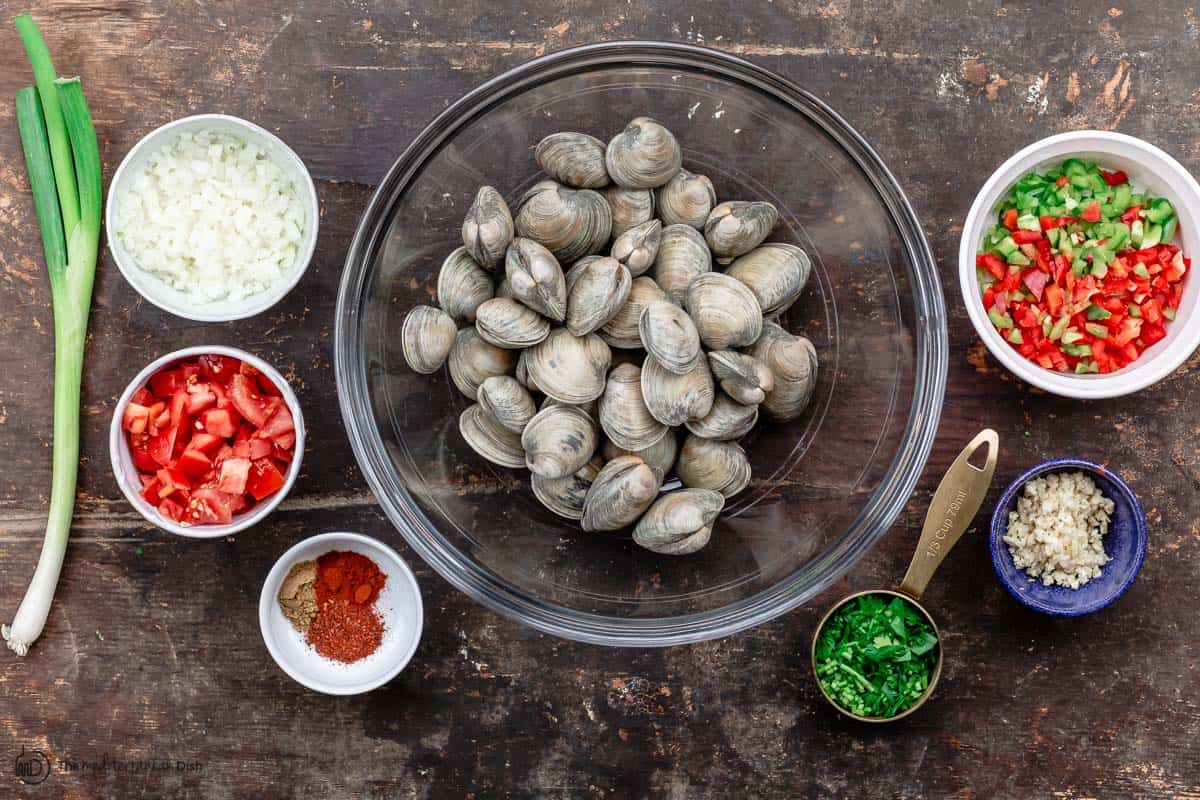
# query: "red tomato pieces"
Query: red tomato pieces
{"points": [[210, 438]]}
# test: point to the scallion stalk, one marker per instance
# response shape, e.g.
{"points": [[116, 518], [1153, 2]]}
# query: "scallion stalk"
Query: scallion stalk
{"points": [[63, 159]]}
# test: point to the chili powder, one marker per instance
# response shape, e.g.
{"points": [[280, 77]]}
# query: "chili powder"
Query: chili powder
{"points": [[346, 627]]}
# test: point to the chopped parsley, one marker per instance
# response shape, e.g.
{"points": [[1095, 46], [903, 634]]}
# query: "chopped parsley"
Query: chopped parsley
{"points": [[875, 656]]}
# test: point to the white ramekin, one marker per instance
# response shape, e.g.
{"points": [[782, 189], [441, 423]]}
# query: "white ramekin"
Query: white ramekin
{"points": [[127, 474], [167, 297], [399, 605], [1148, 168]]}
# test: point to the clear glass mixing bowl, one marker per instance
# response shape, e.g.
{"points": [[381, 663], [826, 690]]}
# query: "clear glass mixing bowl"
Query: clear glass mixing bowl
{"points": [[825, 487]]}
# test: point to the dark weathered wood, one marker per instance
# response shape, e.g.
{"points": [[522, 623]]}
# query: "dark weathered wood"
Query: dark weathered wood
{"points": [[1029, 707]]}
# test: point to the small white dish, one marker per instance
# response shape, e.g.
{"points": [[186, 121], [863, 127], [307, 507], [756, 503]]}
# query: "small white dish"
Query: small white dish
{"points": [[399, 605], [126, 472], [167, 297], [1149, 168]]}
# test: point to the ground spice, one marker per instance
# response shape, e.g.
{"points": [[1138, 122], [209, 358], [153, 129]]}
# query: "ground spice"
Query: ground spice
{"points": [[348, 576], [345, 631], [298, 595], [346, 626]]}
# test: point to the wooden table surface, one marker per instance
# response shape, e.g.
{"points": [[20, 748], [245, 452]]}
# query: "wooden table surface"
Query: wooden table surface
{"points": [[151, 679]]}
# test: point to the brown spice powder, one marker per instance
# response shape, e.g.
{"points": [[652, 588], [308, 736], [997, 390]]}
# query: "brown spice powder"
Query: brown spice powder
{"points": [[298, 595]]}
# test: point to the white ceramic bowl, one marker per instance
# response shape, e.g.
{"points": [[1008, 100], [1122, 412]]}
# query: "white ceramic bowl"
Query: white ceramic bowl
{"points": [[1148, 168], [399, 605], [127, 474], [167, 297]]}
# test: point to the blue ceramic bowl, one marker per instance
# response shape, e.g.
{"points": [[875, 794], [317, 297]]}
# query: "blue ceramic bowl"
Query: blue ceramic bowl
{"points": [[1125, 544]]}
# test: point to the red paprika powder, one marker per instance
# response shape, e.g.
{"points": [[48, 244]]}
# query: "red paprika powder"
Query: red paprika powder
{"points": [[346, 627], [348, 576]]}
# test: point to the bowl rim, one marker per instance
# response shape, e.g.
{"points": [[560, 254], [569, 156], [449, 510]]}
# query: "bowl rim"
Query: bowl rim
{"points": [[145, 285], [119, 456], [931, 358], [1085, 387], [1001, 556], [266, 606]]}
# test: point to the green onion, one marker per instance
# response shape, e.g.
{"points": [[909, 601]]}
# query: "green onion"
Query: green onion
{"points": [[63, 160]]}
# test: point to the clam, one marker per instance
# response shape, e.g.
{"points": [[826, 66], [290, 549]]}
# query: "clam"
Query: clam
{"points": [[473, 360], [569, 368], [596, 295], [575, 159], [625, 488], [682, 255], [793, 363], [744, 378], [536, 279], [564, 496], [643, 156], [591, 408], [727, 420], [724, 310], [462, 285], [686, 199], [521, 372], [558, 441], [637, 247], [738, 226], [507, 401], [712, 464], [504, 289], [623, 413], [426, 338], [660, 455], [507, 323], [572, 274], [629, 207], [680, 522], [622, 330], [570, 223], [488, 228], [669, 335], [485, 436], [674, 398], [776, 273]]}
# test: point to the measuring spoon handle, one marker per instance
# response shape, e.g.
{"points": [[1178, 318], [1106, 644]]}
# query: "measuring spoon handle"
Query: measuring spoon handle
{"points": [[954, 504]]}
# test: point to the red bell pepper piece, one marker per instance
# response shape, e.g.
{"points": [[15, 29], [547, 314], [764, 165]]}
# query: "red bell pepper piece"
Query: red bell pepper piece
{"points": [[1115, 178]]}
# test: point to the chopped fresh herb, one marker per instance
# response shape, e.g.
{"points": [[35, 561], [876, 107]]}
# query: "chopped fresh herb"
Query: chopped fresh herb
{"points": [[875, 655]]}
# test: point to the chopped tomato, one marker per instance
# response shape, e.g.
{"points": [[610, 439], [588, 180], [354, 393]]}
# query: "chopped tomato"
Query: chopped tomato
{"points": [[233, 475], [1010, 219], [205, 442], [200, 397], [164, 383], [171, 510], [1026, 237], [193, 463], [280, 423], [136, 418], [219, 422], [1091, 212], [252, 448], [1131, 214], [264, 480], [246, 399], [218, 368], [1054, 299], [210, 507], [286, 441], [1114, 178]]}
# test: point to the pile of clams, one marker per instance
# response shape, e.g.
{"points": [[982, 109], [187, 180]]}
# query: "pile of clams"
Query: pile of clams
{"points": [[634, 305]]}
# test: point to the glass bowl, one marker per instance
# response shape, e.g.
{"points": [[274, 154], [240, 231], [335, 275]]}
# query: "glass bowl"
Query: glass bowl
{"points": [[826, 486]]}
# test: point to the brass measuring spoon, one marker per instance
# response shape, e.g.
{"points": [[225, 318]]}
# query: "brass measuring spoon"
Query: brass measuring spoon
{"points": [[954, 505]]}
